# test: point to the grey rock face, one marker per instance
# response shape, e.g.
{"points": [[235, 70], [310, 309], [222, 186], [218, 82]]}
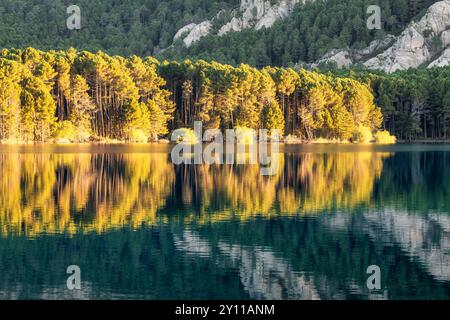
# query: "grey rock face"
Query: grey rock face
{"points": [[345, 58], [414, 47], [422, 43], [255, 14]]}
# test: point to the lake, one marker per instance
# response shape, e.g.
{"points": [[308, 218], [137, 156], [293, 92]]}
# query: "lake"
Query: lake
{"points": [[140, 227]]}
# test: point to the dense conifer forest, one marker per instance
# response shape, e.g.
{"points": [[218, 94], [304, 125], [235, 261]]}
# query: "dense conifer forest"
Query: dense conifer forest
{"points": [[113, 90], [307, 34], [78, 96], [146, 27]]}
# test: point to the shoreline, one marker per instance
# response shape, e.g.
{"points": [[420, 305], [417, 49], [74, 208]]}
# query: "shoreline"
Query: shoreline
{"points": [[300, 143], [421, 141]]}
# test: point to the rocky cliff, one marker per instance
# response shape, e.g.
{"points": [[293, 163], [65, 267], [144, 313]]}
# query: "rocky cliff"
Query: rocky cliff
{"points": [[423, 43], [256, 14]]}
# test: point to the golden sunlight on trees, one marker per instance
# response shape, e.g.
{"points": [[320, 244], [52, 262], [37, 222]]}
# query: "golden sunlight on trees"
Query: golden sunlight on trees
{"points": [[70, 96], [362, 134], [384, 137]]}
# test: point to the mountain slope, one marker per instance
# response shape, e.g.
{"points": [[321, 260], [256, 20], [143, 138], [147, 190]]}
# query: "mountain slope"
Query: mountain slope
{"points": [[256, 14], [422, 43], [257, 32], [124, 27], [419, 44], [310, 31]]}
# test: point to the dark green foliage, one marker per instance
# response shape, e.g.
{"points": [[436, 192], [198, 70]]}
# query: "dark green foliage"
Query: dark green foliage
{"points": [[140, 27], [307, 34], [415, 103], [145, 27]]}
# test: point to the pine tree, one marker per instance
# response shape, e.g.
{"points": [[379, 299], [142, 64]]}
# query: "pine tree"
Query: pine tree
{"points": [[9, 110], [82, 108], [272, 118]]}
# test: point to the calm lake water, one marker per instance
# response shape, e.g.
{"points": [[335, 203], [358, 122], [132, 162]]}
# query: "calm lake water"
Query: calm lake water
{"points": [[140, 227]]}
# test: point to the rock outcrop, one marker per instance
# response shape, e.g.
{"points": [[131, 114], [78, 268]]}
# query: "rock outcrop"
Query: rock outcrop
{"points": [[256, 14], [419, 43], [409, 51], [423, 43], [442, 61], [340, 58], [193, 32], [345, 58]]}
